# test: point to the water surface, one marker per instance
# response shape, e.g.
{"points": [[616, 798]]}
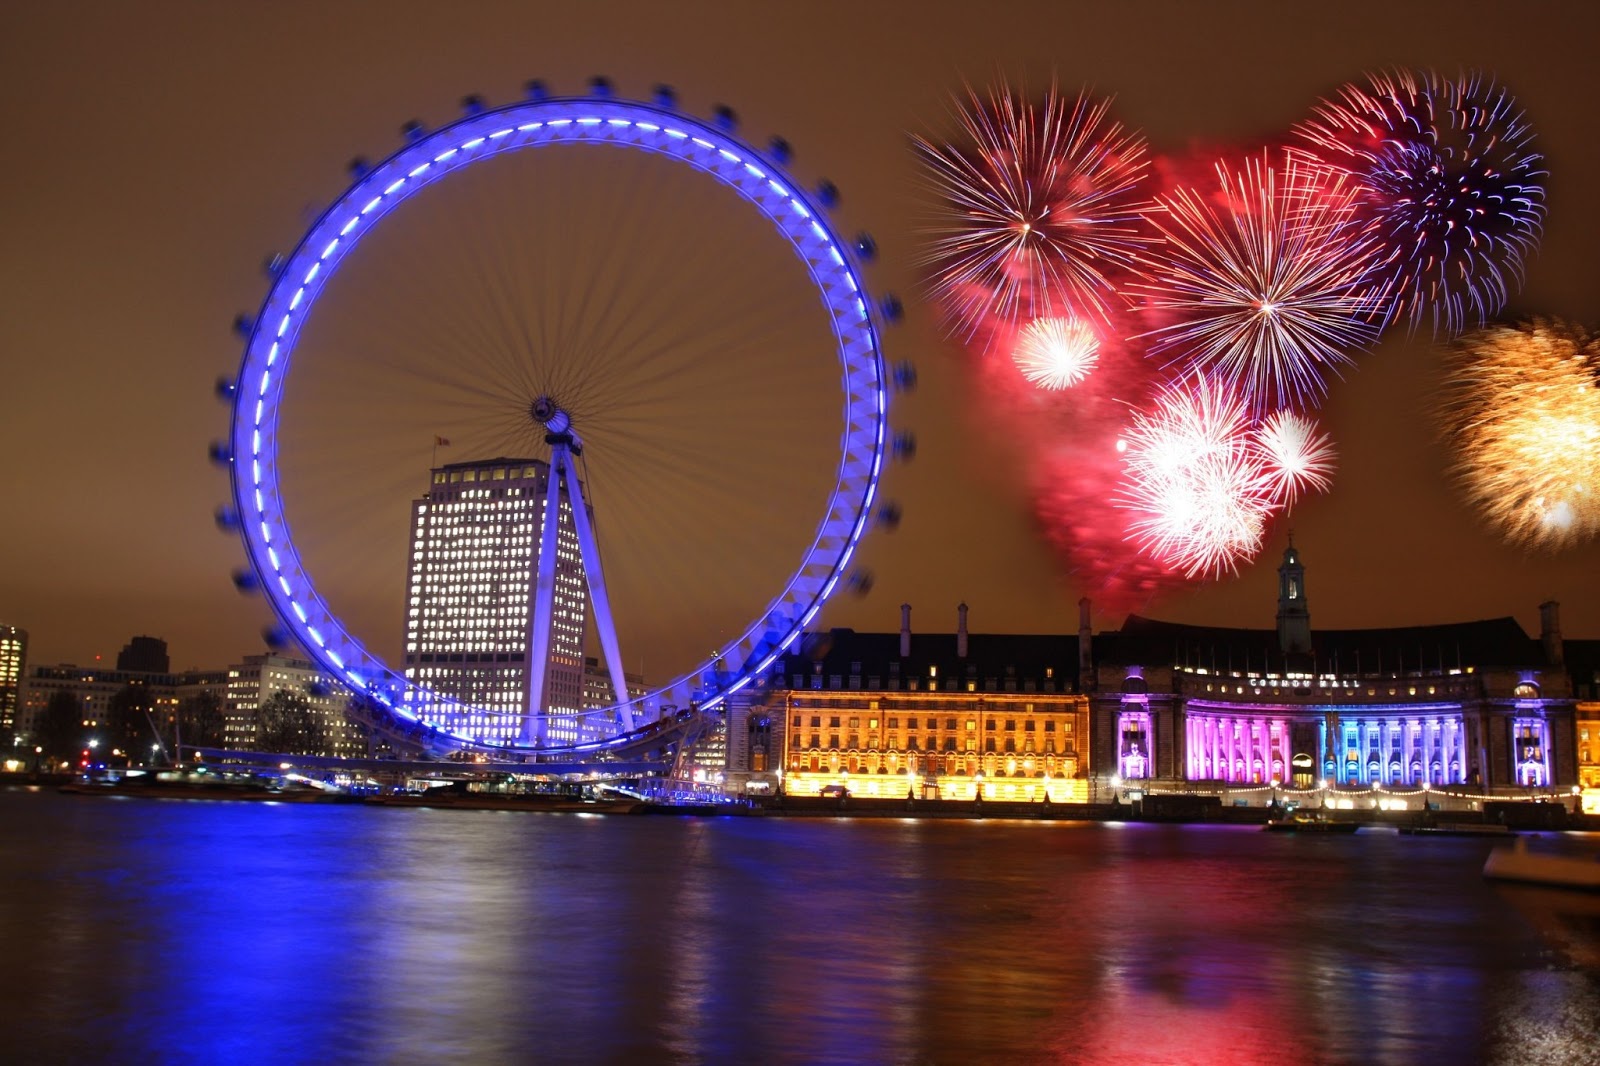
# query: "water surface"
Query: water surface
{"points": [[205, 931]]}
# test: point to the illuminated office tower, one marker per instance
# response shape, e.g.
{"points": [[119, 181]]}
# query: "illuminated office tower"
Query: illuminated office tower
{"points": [[469, 635], [13, 661]]}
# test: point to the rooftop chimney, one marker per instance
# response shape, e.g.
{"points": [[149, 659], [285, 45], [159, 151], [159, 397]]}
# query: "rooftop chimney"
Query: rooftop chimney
{"points": [[961, 631], [1550, 632], [1085, 647], [905, 631]]}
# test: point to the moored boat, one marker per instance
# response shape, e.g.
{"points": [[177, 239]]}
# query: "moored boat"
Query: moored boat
{"points": [[1459, 829], [1309, 822]]}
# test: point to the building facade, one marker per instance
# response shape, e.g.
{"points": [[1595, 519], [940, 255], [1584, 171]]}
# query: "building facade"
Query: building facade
{"points": [[1472, 709], [144, 655], [469, 603], [94, 688], [1479, 707], [13, 674], [257, 678], [1583, 664], [924, 716], [601, 720]]}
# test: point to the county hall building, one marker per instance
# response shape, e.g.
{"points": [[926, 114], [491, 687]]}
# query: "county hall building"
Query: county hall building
{"points": [[1478, 709]]}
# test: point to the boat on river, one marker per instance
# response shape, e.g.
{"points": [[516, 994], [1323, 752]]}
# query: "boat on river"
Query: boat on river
{"points": [[1459, 829], [1517, 863], [1315, 821], [489, 796]]}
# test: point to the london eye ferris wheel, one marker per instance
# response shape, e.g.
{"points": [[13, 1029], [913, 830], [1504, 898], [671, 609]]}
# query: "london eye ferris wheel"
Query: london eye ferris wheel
{"points": [[579, 295]]}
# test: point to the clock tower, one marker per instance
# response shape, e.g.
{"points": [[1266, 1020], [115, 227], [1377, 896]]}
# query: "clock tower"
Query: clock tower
{"points": [[1294, 617]]}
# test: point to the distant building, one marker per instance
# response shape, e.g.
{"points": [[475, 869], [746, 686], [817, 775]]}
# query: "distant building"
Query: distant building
{"points": [[255, 680], [144, 655], [1583, 663], [474, 561], [946, 715], [597, 695], [13, 673], [95, 687]]}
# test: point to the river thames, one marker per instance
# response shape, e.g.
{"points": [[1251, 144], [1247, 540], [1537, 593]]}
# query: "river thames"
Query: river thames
{"points": [[202, 931]]}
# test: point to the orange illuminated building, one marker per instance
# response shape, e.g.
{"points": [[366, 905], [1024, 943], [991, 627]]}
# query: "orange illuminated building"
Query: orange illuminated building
{"points": [[928, 716]]}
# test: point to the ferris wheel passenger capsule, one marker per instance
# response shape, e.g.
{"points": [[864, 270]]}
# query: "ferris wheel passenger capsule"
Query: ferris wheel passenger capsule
{"points": [[272, 265], [275, 637], [888, 516], [246, 581], [905, 446], [905, 377], [536, 90], [866, 247], [893, 310], [472, 105], [664, 96], [225, 389], [827, 193], [779, 150], [220, 453], [413, 131], [359, 168], [227, 519], [726, 119], [600, 87], [244, 325], [860, 581]]}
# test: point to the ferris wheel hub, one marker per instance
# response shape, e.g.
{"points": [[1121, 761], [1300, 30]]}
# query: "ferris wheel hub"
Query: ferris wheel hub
{"points": [[549, 414]]}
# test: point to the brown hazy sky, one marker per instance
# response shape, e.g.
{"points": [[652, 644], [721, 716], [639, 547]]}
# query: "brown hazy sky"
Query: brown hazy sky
{"points": [[154, 151]]}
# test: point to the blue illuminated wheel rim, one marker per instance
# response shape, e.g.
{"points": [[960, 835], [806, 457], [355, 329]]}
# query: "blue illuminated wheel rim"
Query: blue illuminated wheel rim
{"points": [[301, 278]]}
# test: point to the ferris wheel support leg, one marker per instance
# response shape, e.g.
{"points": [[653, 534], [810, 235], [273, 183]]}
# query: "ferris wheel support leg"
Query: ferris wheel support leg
{"points": [[604, 624], [544, 594]]}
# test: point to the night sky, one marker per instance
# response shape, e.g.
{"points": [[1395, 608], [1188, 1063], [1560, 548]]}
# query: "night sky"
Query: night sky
{"points": [[155, 152]]}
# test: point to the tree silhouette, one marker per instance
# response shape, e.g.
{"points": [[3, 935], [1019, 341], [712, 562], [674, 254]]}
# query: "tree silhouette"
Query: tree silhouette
{"points": [[59, 727], [128, 722], [200, 720], [287, 722]]}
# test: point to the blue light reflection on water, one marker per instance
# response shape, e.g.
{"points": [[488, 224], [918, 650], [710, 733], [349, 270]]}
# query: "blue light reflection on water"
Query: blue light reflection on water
{"points": [[141, 930]]}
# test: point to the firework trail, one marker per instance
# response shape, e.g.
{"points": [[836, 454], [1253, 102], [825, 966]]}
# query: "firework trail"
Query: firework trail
{"points": [[1038, 206], [1446, 175], [1264, 287], [1519, 410]]}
